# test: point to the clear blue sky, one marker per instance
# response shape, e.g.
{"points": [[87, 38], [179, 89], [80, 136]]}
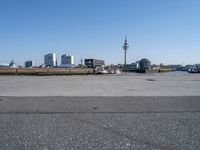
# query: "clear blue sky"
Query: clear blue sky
{"points": [[165, 31]]}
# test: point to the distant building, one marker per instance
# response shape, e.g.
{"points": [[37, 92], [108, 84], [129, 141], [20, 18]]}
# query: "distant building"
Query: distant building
{"points": [[29, 64], [132, 66], [93, 63], [12, 64], [194, 69], [50, 60], [67, 61], [42, 66], [187, 67], [155, 67], [198, 67], [4, 65], [176, 67], [145, 64]]}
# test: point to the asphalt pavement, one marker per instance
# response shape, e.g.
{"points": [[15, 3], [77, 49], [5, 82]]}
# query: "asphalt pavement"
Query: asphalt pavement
{"points": [[129, 111], [48, 123]]}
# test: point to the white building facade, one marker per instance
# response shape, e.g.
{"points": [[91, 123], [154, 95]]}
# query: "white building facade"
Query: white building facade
{"points": [[50, 60]]}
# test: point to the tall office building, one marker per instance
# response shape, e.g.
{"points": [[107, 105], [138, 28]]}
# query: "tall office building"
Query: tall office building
{"points": [[50, 60], [67, 60]]}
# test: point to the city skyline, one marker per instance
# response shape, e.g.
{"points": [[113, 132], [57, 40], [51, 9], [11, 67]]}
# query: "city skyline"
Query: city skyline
{"points": [[162, 31]]}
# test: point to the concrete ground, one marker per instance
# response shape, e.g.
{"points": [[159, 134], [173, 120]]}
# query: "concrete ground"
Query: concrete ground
{"points": [[99, 112], [124, 85]]}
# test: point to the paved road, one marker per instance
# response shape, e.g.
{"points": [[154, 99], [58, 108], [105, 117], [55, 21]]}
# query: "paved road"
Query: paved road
{"points": [[46, 123]]}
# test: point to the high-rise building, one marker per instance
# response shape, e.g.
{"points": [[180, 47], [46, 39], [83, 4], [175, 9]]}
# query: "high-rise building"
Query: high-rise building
{"points": [[50, 60], [29, 63], [67, 60]]}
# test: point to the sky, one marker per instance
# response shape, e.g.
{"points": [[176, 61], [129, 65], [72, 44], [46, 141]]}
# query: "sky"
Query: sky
{"points": [[164, 31]]}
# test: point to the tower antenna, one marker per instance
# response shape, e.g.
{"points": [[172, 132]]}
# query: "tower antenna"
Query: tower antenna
{"points": [[125, 47]]}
